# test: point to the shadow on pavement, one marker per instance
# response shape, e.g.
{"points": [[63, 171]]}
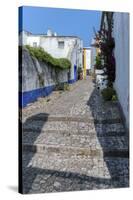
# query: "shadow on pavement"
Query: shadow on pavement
{"points": [[114, 143], [37, 180], [24, 129]]}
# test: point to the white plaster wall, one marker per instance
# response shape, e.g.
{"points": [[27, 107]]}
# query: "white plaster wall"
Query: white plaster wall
{"points": [[31, 39], [23, 38], [80, 53], [121, 35], [50, 44], [71, 49], [88, 59]]}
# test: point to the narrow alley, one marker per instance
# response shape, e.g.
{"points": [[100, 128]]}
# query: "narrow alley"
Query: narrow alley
{"points": [[73, 140]]}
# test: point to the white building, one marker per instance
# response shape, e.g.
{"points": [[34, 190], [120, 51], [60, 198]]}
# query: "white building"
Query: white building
{"points": [[58, 46], [87, 60]]}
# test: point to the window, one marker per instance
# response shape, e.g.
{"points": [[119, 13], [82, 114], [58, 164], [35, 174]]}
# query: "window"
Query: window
{"points": [[61, 44], [34, 44]]}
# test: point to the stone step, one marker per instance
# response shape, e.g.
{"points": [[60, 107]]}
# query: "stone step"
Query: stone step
{"points": [[89, 166], [78, 145], [71, 139], [74, 126], [33, 133], [65, 118]]}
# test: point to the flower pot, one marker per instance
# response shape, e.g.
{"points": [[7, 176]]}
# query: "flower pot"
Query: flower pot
{"points": [[101, 81], [80, 75]]}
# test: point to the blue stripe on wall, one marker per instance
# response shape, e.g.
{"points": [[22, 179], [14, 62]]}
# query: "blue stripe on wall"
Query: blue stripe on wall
{"points": [[71, 81], [31, 96]]}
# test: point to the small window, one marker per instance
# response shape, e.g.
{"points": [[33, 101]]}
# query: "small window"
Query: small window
{"points": [[61, 44], [34, 44]]}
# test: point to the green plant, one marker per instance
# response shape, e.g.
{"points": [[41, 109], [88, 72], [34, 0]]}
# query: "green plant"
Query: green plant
{"points": [[63, 86], [41, 80], [108, 94], [80, 73], [80, 70], [98, 63], [114, 98], [106, 44], [43, 56], [66, 86]]}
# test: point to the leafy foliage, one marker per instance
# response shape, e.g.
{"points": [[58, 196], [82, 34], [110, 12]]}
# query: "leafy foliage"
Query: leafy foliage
{"points": [[43, 56], [106, 43], [109, 94], [63, 86], [80, 73], [80, 70], [98, 64]]}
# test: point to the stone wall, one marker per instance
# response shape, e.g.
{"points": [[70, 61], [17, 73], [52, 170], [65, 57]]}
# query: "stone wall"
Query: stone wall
{"points": [[37, 79]]}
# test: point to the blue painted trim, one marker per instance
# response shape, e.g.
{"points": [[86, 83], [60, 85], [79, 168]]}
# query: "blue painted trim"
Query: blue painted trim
{"points": [[75, 72], [31, 96], [72, 81]]}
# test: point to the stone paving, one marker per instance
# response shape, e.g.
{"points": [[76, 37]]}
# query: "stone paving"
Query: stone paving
{"points": [[72, 141]]}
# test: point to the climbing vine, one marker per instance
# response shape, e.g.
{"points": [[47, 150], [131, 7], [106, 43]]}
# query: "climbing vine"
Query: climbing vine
{"points": [[41, 55], [106, 44]]}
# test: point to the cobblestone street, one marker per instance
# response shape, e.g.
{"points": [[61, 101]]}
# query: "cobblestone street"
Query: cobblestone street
{"points": [[73, 140]]}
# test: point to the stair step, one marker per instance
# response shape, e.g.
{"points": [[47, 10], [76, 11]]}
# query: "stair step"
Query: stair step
{"points": [[33, 133], [81, 165], [80, 140], [44, 118], [71, 126], [114, 148]]}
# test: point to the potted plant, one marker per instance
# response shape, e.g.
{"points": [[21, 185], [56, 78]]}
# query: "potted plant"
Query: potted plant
{"points": [[98, 65], [80, 73]]}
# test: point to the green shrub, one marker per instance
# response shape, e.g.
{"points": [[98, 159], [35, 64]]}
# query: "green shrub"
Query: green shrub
{"points": [[66, 86], [98, 63], [114, 98], [41, 55], [108, 94], [80, 70], [63, 86]]}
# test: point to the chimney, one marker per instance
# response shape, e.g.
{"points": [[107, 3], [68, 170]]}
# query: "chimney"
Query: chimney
{"points": [[55, 34], [49, 32]]}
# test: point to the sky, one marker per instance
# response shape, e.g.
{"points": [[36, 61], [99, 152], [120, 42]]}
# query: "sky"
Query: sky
{"points": [[67, 22]]}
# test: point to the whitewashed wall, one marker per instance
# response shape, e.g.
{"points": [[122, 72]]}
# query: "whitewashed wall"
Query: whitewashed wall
{"points": [[71, 49], [121, 35], [50, 44], [88, 59], [33, 39], [23, 38]]}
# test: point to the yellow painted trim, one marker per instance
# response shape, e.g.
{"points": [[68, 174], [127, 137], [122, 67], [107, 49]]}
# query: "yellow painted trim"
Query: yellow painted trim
{"points": [[84, 64]]}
